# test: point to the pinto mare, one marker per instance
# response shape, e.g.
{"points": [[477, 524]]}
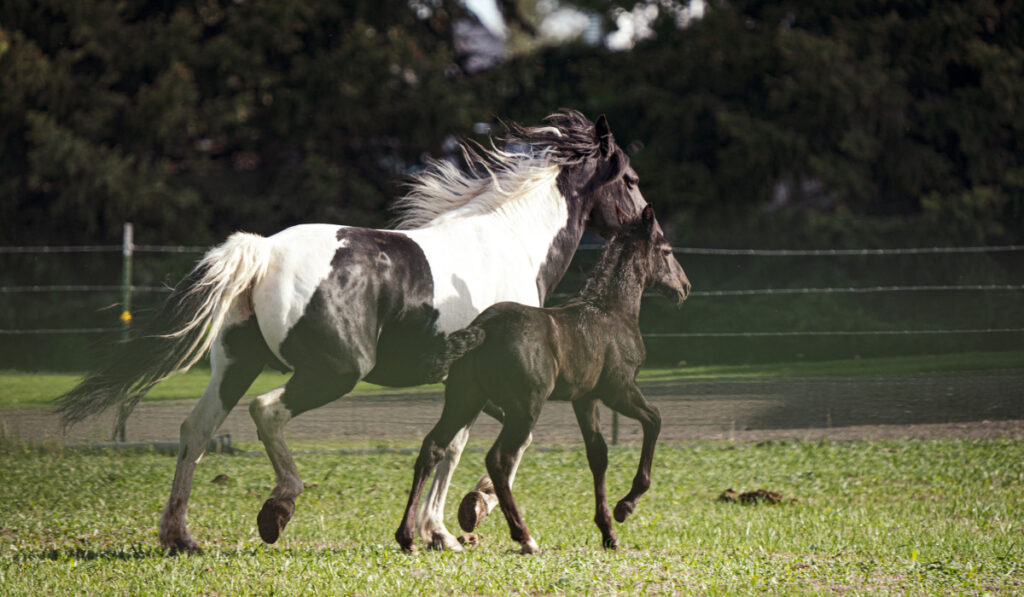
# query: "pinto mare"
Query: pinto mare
{"points": [[586, 351], [337, 304]]}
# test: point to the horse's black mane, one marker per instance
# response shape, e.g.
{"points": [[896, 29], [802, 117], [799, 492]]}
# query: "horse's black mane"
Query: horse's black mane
{"points": [[569, 137]]}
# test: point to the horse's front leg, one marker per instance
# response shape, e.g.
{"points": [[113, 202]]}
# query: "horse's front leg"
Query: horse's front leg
{"points": [[597, 457], [430, 517], [630, 402]]}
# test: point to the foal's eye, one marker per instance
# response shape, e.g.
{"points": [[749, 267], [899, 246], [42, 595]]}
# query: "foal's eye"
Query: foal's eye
{"points": [[631, 181], [666, 251]]}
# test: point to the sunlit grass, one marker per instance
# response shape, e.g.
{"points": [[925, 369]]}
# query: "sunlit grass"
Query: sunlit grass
{"points": [[23, 390], [903, 517]]}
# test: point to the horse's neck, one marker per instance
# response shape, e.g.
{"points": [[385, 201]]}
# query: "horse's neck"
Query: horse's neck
{"points": [[539, 230]]}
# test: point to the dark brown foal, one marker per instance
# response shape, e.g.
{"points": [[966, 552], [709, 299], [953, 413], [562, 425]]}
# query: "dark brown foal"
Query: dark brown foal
{"points": [[585, 351]]}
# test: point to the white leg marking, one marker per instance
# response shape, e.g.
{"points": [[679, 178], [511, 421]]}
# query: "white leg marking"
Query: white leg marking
{"points": [[270, 417], [196, 431], [430, 518]]}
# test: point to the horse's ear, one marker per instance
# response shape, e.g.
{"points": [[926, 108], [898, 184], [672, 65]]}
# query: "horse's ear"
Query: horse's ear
{"points": [[603, 136]]}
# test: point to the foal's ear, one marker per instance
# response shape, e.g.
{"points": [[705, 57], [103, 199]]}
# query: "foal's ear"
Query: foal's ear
{"points": [[647, 218], [603, 136]]}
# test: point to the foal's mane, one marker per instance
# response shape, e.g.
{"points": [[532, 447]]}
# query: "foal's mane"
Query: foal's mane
{"points": [[618, 270], [495, 177]]}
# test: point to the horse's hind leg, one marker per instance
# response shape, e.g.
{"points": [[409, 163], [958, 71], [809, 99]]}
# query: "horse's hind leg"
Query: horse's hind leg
{"points": [[597, 457], [452, 429], [631, 403], [235, 361], [271, 411]]}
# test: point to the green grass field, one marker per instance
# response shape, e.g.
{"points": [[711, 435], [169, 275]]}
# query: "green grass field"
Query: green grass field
{"points": [[906, 517], [34, 390]]}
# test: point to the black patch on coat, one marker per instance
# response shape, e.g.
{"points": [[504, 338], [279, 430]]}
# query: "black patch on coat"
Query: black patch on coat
{"points": [[372, 317], [248, 354]]}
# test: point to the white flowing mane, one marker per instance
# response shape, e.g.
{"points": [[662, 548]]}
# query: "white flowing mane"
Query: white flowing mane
{"points": [[494, 179]]}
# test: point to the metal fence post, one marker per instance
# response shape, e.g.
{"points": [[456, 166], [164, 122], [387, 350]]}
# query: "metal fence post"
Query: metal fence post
{"points": [[127, 247]]}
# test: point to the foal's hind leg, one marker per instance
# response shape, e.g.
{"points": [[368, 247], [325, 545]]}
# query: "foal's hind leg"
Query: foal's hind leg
{"points": [[631, 403], [460, 410], [235, 361], [271, 411], [501, 460], [597, 457], [479, 503]]}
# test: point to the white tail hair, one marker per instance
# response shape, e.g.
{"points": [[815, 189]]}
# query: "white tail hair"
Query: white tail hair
{"points": [[178, 335]]}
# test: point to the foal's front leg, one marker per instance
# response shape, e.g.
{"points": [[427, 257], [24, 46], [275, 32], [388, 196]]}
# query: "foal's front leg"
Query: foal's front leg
{"points": [[630, 402], [597, 456]]}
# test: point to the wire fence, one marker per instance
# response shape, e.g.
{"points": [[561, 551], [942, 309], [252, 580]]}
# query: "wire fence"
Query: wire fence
{"points": [[128, 248], [983, 307]]}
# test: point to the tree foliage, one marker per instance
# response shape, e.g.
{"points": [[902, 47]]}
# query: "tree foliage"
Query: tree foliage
{"points": [[193, 119]]}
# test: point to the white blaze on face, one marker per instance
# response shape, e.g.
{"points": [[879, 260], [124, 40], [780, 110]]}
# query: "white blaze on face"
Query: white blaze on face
{"points": [[300, 262]]}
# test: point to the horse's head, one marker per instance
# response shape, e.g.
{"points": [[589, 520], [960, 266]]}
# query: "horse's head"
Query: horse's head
{"points": [[612, 185], [664, 274], [596, 174]]}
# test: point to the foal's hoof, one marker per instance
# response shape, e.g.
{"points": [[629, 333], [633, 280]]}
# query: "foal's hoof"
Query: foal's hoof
{"points": [[472, 510], [622, 510], [611, 543], [273, 518], [184, 546]]}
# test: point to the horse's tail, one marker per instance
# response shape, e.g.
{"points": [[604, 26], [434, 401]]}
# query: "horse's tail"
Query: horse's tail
{"points": [[456, 345], [176, 336]]}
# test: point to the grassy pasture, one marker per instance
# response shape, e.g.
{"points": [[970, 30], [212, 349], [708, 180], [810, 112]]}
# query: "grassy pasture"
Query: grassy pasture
{"points": [[33, 390], [908, 517]]}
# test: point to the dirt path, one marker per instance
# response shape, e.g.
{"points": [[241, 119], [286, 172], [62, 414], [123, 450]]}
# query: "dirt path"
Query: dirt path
{"points": [[982, 404]]}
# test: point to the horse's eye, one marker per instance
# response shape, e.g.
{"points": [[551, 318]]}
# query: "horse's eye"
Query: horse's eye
{"points": [[632, 181]]}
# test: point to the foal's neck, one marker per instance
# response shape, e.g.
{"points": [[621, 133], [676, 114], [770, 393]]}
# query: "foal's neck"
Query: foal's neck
{"points": [[617, 282]]}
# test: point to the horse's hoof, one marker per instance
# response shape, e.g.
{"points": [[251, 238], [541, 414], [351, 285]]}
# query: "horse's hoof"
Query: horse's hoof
{"points": [[472, 511], [469, 539], [273, 518], [529, 547], [184, 546], [611, 543], [622, 510]]}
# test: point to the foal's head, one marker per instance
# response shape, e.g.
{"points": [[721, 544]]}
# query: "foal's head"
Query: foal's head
{"points": [[661, 271]]}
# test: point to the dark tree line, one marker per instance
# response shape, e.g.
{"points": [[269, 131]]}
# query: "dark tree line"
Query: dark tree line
{"points": [[807, 122]]}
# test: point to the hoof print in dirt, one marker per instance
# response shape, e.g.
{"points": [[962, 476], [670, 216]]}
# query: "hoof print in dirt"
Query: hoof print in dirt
{"points": [[757, 496], [273, 518]]}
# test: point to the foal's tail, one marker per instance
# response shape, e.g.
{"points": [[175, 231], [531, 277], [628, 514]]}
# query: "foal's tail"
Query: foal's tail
{"points": [[456, 345], [177, 335]]}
